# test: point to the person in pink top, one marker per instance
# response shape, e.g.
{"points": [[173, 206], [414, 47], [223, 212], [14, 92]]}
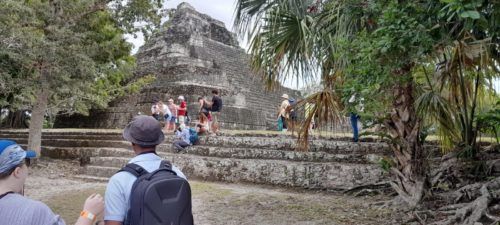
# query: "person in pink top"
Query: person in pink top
{"points": [[173, 118]]}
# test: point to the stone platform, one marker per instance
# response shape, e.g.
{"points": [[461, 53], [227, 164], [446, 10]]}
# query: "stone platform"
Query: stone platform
{"points": [[247, 158]]}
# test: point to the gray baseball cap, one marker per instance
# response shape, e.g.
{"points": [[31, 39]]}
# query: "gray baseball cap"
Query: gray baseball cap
{"points": [[144, 130]]}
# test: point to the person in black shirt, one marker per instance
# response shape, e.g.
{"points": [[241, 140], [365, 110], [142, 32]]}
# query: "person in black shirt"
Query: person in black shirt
{"points": [[215, 106]]}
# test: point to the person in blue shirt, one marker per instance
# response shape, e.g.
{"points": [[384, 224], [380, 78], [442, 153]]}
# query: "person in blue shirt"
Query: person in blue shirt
{"points": [[144, 133], [182, 136]]}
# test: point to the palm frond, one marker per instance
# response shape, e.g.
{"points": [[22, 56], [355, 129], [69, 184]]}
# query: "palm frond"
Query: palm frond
{"points": [[323, 107]]}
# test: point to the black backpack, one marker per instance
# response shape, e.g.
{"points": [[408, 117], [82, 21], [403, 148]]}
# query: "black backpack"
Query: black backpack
{"points": [[160, 197]]}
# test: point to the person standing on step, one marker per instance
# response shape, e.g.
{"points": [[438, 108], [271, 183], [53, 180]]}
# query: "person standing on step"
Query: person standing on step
{"points": [[15, 209], [124, 196], [172, 107], [215, 107], [166, 115], [182, 110], [204, 108], [356, 106], [292, 114], [155, 110], [282, 113]]}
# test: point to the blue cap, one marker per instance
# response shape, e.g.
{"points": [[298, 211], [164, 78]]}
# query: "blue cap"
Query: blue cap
{"points": [[11, 155]]}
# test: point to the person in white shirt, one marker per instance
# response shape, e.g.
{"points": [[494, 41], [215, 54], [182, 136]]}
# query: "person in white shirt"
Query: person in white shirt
{"points": [[354, 117], [282, 113], [166, 115], [144, 133]]}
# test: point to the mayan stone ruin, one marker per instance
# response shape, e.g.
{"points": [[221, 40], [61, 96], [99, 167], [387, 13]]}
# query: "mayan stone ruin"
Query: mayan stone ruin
{"points": [[192, 55]]}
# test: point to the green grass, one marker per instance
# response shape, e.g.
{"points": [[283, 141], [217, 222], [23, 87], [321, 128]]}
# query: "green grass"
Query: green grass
{"points": [[198, 188], [69, 204], [221, 204]]}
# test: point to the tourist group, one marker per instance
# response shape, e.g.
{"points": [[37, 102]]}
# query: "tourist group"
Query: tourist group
{"points": [[176, 118]]}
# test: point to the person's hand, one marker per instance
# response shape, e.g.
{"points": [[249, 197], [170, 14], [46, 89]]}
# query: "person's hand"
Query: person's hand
{"points": [[94, 204]]}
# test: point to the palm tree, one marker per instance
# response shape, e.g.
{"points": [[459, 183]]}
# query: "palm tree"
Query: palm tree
{"points": [[460, 88]]}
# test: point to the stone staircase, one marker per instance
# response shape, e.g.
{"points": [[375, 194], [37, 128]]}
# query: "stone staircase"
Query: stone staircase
{"points": [[244, 158]]}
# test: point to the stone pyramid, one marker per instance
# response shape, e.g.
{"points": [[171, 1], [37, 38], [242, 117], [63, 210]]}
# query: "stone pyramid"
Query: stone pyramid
{"points": [[192, 55]]}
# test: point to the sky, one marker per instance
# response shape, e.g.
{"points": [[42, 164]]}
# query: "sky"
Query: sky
{"points": [[223, 10]]}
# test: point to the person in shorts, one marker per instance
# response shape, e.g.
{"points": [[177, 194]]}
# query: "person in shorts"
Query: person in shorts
{"points": [[182, 110], [166, 115], [215, 108], [173, 118]]}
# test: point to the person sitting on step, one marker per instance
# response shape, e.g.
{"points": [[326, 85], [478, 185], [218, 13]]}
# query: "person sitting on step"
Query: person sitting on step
{"points": [[182, 138], [202, 126]]}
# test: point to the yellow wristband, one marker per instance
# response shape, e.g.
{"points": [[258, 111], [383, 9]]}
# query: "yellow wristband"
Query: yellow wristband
{"points": [[88, 215]]}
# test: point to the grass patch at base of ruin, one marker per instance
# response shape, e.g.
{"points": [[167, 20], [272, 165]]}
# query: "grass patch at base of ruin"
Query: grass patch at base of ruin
{"points": [[69, 204]]}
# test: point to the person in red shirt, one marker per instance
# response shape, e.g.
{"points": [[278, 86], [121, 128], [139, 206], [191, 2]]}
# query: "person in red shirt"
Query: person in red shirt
{"points": [[182, 110]]}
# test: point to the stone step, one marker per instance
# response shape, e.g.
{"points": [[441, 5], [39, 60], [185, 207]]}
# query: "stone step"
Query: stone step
{"points": [[64, 136], [253, 153], [274, 172], [246, 153], [99, 171], [85, 143], [117, 133], [291, 144], [65, 131], [83, 152], [223, 141], [92, 178]]}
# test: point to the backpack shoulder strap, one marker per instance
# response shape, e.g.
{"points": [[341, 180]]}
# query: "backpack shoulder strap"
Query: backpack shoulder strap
{"points": [[166, 164], [134, 169]]}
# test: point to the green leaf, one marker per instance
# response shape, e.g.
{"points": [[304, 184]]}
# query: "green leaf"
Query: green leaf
{"points": [[470, 14]]}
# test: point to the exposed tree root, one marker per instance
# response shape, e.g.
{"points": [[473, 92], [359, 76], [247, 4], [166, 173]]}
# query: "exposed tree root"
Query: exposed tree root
{"points": [[485, 199], [463, 192], [369, 189]]}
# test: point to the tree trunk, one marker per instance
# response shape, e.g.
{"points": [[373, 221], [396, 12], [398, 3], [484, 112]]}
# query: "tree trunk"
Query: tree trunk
{"points": [[37, 118], [404, 127]]}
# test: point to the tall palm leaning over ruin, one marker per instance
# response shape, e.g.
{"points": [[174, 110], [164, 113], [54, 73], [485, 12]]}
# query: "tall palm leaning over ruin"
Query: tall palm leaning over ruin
{"points": [[370, 46]]}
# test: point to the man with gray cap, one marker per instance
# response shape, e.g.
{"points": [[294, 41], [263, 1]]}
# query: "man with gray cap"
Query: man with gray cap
{"points": [[144, 133], [15, 209]]}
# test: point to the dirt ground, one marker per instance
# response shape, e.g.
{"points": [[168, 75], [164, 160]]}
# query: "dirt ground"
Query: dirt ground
{"points": [[218, 203]]}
